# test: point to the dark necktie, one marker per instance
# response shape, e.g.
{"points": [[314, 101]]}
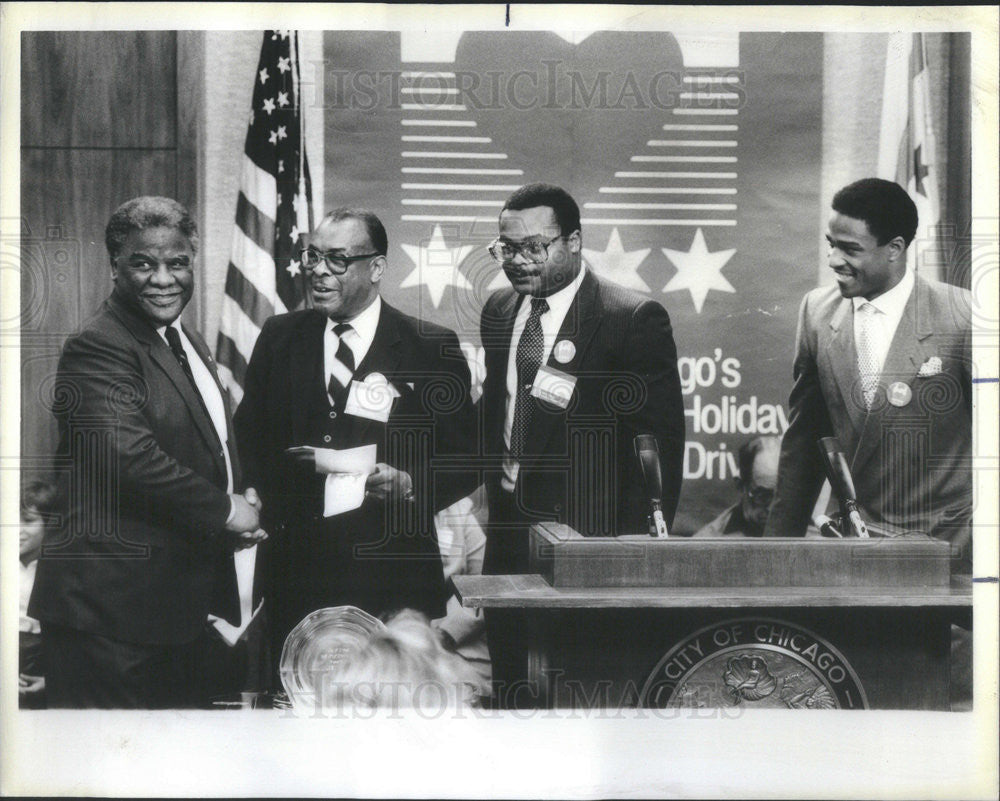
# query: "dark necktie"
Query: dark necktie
{"points": [[343, 368], [528, 360], [174, 340]]}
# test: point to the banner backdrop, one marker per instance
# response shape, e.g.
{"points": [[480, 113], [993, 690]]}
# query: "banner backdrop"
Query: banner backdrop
{"points": [[695, 160]]}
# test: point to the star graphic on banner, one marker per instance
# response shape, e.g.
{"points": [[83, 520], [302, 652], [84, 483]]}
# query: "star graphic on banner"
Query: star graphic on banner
{"points": [[268, 105], [294, 268], [294, 234], [273, 138], [281, 165], [698, 271], [263, 75], [281, 132], [437, 266], [618, 265], [282, 99], [284, 64]]}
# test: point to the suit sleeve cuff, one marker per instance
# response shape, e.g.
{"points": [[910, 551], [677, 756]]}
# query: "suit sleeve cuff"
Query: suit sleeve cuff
{"points": [[232, 511]]}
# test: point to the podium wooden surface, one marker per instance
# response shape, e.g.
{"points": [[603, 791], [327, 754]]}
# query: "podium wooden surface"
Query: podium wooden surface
{"points": [[592, 625]]}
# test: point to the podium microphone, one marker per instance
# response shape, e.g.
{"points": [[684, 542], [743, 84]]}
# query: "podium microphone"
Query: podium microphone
{"points": [[649, 465], [843, 485]]}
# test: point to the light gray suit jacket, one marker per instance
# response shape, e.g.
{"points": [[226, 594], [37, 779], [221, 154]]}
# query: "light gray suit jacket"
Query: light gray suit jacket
{"points": [[911, 463]]}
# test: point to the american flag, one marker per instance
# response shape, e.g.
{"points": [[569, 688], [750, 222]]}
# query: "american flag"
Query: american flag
{"points": [[906, 144], [273, 211]]}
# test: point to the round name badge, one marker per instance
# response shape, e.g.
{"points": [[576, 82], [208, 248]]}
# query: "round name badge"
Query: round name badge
{"points": [[564, 351], [899, 394]]}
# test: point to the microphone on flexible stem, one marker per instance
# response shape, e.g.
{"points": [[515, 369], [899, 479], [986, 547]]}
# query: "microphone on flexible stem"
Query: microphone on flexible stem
{"points": [[649, 465], [843, 485]]}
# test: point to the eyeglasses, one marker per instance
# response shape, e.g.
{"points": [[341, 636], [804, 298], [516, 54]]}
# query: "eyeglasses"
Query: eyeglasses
{"points": [[761, 496], [312, 258], [531, 250]]}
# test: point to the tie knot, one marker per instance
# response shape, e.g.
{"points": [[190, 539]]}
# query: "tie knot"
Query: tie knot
{"points": [[868, 309], [173, 338], [539, 306], [342, 328]]}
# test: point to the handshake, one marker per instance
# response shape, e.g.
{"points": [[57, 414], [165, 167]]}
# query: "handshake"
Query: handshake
{"points": [[245, 520]]}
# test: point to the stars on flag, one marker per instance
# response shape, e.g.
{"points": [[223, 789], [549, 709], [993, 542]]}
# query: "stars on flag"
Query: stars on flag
{"points": [[263, 75], [617, 264], [294, 267], [698, 270], [281, 132], [282, 99], [268, 105], [273, 138], [284, 64], [436, 266]]}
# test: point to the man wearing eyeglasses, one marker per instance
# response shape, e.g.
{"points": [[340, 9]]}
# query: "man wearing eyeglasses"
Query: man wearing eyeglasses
{"points": [[351, 410], [575, 369], [758, 460]]}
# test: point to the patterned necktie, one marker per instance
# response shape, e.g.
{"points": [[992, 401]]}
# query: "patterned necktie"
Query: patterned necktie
{"points": [[868, 368], [527, 361], [343, 364]]}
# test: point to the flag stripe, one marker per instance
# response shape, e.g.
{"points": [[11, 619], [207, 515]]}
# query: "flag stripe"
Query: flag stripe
{"points": [[229, 355], [241, 289], [254, 223]]}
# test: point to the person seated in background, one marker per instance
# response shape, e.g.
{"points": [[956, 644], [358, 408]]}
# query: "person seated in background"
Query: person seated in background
{"points": [[37, 499], [404, 666], [758, 459]]}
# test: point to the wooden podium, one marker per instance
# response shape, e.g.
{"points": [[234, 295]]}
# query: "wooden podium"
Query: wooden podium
{"points": [[664, 623]]}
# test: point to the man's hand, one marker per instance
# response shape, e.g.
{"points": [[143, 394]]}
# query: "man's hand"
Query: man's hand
{"points": [[388, 482], [247, 539], [245, 516], [30, 685]]}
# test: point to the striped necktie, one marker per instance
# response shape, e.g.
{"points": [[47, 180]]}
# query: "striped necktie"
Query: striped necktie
{"points": [[343, 364]]}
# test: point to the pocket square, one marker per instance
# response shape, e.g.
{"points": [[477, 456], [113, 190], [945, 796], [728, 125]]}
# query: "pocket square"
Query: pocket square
{"points": [[930, 367]]}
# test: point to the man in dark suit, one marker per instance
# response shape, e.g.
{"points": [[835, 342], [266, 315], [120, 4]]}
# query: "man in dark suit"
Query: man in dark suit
{"points": [[575, 369], [354, 373], [149, 523], [883, 363]]}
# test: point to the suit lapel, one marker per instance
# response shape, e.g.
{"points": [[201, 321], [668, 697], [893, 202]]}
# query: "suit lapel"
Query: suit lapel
{"points": [[161, 355], [578, 326], [382, 357], [497, 331], [902, 362], [841, 357], [206, 357], [306, 371]]}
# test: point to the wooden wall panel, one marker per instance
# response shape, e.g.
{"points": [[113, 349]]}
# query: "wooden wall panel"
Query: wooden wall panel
{"points": [[98, 89], [102, 121]]}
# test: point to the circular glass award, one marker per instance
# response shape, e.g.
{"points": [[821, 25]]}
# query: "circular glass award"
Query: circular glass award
{"points": [[321, 642]]}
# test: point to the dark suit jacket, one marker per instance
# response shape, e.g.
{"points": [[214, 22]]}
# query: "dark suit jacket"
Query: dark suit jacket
{"points": [[139, 554], [911, 464], [383, 555], [579, 465]]}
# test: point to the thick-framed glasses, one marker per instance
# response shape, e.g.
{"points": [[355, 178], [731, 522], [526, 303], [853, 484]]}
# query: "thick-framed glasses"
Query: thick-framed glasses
{"points": [[312, 258], [760, 496], [531, 250]]}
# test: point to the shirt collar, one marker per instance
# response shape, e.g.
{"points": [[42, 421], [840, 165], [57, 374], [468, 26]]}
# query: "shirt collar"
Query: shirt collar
{"points": [[364, 323], [891, 302]]}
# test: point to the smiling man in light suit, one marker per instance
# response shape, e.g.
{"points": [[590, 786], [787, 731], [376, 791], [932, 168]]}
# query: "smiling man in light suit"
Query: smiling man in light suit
{"points": [[883, 362]]}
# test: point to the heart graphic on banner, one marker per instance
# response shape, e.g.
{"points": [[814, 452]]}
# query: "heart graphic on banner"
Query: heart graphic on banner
{"points": [[571, 114]]}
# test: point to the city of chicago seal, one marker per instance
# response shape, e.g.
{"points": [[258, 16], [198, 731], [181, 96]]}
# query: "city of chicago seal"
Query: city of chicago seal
{"points": [[754, 662]]}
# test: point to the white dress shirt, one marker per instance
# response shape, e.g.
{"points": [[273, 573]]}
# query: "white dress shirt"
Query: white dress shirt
{"points": [[359, 339], [551, 321], [210, 394], [889, 308]]}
